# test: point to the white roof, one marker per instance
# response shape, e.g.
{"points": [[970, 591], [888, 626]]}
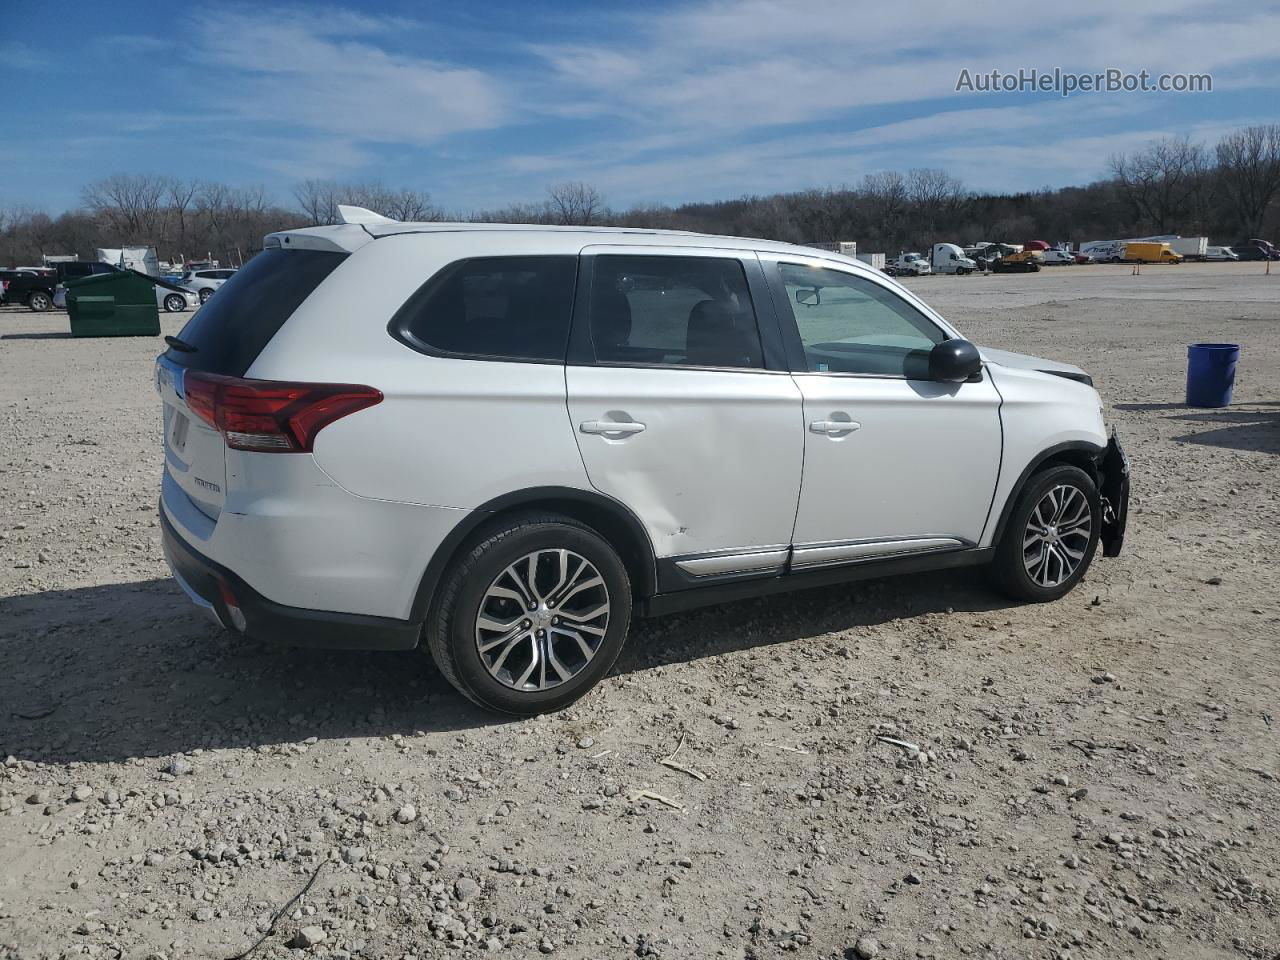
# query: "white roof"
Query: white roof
{"points": [[351, 236]]}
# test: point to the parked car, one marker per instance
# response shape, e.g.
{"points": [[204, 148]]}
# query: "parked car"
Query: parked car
{"points": [[169, 298], [204, 282], [29, 286], [501, 442], [1220, 253], [75, 269], [1057, 258], [1265, 251]]}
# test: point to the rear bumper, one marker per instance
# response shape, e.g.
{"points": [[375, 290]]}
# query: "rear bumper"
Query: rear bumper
{"points": [[237, 606]]}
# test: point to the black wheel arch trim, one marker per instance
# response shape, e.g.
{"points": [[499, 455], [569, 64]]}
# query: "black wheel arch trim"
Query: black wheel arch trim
{"points": [[641, 563], [1092, 451]]}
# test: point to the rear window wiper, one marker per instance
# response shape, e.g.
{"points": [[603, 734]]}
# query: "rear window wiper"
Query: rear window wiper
{"points": [[181, 345]]}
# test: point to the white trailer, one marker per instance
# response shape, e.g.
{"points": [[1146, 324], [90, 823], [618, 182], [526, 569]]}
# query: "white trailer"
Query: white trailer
{"points": [[847, 248], [874, 260], [142, 259]]}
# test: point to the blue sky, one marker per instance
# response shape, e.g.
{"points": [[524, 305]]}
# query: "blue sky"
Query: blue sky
{"points": [[485, 104]]}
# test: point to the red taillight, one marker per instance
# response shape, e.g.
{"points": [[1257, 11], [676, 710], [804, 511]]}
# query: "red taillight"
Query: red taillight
{"points": [[272, 416]]}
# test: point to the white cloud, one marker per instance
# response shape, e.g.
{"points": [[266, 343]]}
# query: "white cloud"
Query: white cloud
{"points": [[701, 98], [308, 70]]}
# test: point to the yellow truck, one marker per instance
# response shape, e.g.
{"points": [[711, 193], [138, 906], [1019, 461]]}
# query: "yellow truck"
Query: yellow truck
{"points": [[1149, 253]]}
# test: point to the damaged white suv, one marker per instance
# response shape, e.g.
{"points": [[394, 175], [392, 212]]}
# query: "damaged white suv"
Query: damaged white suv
{"points": [[500, 442]]}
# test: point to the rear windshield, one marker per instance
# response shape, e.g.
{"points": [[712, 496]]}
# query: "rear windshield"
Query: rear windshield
{"points": [[231, 329]]}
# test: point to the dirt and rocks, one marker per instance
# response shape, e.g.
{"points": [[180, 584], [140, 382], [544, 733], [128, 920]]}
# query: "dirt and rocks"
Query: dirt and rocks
{"points": [[1092, 778]]}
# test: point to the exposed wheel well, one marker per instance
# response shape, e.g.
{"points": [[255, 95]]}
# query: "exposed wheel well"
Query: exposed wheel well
{"points": [[1082, 455], [1084, 459], [611, 520]]}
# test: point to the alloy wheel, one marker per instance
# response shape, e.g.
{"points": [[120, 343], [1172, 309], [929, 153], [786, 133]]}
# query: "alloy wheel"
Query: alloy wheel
{"points": [[1057, 536], [542, 620]]}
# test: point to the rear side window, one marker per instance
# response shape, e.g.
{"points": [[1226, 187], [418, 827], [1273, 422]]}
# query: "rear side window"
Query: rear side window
{"points": [[231, 329], [673, 311], [501, 308]]}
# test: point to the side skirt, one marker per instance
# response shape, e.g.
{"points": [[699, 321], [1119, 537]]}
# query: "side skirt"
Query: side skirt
{"points": [[758, 586]]}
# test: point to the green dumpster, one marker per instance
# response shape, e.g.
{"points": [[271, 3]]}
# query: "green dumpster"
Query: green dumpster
{"points": [[121, 303]]}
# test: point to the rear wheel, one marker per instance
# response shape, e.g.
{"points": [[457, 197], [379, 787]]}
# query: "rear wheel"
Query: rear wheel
{"points": [[532, 616], [1051, 536], [39, 300]]}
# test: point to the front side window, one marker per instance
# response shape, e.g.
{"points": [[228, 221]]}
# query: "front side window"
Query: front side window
{"points": [[673, 311], [849, 324], [515, 308]]}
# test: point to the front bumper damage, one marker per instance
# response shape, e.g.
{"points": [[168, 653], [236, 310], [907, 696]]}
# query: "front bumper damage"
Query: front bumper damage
{"points": [[1113, 484]]}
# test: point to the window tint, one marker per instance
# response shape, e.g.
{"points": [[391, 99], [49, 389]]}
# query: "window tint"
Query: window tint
{"points": [[678, 311], [501, 307], [231, 329], [849, 324]]}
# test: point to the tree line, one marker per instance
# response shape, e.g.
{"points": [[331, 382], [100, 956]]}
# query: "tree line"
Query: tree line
{"points": [[1228, 191]]}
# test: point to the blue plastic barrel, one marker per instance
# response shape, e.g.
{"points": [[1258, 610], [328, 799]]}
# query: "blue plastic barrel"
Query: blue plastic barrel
{"points": [[1211, 373]]}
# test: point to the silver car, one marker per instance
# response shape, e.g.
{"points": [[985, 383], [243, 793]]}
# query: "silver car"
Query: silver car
{"points": [[168, 299], [204, 283]]}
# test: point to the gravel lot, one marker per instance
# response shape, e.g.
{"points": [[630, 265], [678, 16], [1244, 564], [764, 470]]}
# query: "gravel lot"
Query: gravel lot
{"points": [[1097, 777]]}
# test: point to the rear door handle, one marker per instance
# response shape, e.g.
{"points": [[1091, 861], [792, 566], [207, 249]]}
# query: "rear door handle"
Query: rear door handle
{"points": [[834, 426], [625, 427]]}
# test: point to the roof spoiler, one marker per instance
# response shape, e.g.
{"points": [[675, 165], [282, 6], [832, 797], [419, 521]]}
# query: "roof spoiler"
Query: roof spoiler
{"points": [[348, 214]]}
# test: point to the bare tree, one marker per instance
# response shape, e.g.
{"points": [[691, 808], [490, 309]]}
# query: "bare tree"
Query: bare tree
{"points": [[574, 203], [885, 197], [319, 199], [936, 196], [1249, 173], [181, 197], [1162, 180], [131, 204], [315, 200]]}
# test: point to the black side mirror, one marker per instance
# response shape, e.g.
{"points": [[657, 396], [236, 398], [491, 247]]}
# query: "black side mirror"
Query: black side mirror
{"points": [[954, 361]]}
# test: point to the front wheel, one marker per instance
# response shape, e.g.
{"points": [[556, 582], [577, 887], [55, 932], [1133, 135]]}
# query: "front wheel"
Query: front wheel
{"points": [[532, 616], [174, 303], [205, 295], [1051, 536]]}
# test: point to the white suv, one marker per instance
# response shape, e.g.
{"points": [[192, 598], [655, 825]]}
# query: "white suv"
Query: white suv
{"points": [[502, 441], [204, 283]]}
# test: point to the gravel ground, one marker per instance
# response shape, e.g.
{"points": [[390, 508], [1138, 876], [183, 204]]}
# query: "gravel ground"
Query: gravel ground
{"points": [[1096, 777]]}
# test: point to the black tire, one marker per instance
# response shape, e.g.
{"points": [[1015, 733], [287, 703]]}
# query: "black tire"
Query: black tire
{"points": [[451, 624], [1008, 570], [174, 303], [205, 294], [39, 301]]}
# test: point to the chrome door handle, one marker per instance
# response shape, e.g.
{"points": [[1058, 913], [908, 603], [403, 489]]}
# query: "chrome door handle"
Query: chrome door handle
{"points": [[834, 426], [625, 427]]}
